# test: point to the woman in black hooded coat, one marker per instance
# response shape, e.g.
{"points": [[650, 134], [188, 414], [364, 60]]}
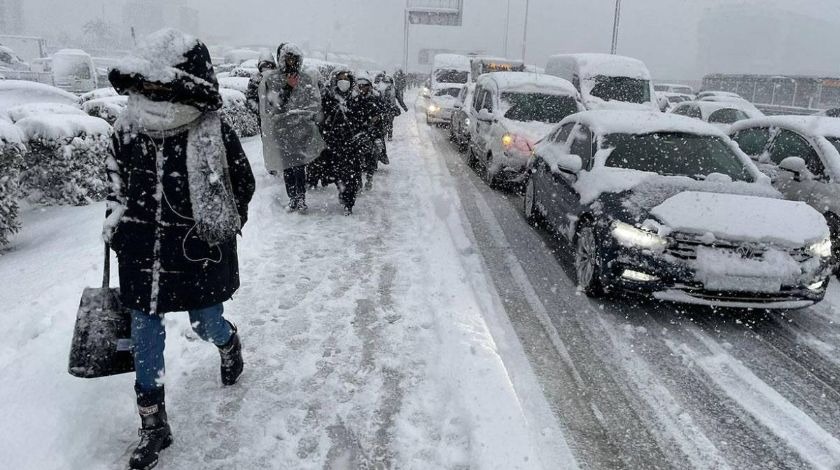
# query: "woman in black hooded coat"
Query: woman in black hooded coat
{"points": [[180, 188]]}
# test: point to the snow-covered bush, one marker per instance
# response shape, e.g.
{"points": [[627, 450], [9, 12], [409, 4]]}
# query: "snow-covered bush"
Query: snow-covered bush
{"points": [[236, 113], [11, 161], [65, 163]]}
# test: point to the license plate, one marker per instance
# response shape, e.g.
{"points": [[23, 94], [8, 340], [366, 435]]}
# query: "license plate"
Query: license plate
{"points": [[743, 284]]}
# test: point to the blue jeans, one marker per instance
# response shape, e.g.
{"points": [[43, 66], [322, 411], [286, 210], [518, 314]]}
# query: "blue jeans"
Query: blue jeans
{"points": [[149, 336]]}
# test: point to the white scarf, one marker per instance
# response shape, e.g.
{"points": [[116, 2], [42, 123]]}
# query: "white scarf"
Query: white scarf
{"points": [[213, 203], [159, 115]]}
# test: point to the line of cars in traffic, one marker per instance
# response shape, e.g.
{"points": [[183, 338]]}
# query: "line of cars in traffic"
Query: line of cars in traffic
{"points": [[709, 204]]}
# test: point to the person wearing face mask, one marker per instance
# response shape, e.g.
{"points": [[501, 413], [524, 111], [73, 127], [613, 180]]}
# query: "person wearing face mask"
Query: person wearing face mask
{"points": [[342, 122], [290, 106], [180, 185], [388, 92], [252, 95], [368, 106]]}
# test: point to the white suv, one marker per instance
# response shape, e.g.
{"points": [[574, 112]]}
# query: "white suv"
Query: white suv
{"points": [[512, 111]]}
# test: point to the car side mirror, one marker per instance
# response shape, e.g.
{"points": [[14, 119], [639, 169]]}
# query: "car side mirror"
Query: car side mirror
{"points": [[796, 165], [571, 164], [485, 115]]}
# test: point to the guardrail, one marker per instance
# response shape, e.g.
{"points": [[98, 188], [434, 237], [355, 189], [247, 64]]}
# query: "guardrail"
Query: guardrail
{"points": [[776, 110]]}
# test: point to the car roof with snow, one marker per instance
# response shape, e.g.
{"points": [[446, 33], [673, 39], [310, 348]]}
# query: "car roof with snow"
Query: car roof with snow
{"points": [[455, 61], [708, 107], [805, 125], [15, 92], [604, 122], [528, 83], [592, 65]]}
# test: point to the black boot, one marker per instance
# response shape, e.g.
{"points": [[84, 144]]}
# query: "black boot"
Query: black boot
{"points": [[232, 363], [155, 434]]}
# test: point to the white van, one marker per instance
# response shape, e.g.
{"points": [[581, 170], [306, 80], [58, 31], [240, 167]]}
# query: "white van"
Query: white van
{"points": [[73, 71], [606, 81], [451, 69]]}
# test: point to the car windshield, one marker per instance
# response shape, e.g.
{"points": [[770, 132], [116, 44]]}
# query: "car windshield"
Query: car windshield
{"points": [[527, 107], [451, 76], [675, 154], [453, 92], [628, 90]]}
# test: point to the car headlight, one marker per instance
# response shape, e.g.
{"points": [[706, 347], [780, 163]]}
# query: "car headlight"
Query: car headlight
{"points": [[631, 236], [507, 140], [821, 248], [467, 121], [433, 108]]}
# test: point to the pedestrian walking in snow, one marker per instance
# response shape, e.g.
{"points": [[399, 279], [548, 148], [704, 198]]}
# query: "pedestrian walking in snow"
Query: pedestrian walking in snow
{"points": [[290, 106], [400, 83], [179, 194], [344, 120], [388, 91], [369, 114], [265, 65]]}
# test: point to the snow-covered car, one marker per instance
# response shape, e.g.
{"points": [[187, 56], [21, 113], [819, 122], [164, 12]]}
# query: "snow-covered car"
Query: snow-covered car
{"points": [[719, 114], [674, 88], [17, 92], [718, 94], [10, 60], [743, 104], [462, 120], [669, 206], [667, 100], [606, 81], [451, 69], [73, 71], [442, 103], [512, 112], [801, 154], [23, 111]]}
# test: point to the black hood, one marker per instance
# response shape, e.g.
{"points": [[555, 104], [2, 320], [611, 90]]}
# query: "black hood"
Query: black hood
{"points": [[174, 59]]}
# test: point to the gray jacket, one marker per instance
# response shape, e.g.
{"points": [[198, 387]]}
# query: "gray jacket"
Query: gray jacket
{"points": [[290, 121]]}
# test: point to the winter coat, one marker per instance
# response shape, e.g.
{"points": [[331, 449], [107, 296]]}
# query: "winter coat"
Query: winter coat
{"points": [[193, 274], [163, 265], [367, 113], [290, 120]]}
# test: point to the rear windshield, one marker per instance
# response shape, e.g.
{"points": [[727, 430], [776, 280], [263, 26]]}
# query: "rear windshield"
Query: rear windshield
{"points": [[527, 107], [675, 154], [453, 92], [628, 90], [727, 116], [451, 76]]}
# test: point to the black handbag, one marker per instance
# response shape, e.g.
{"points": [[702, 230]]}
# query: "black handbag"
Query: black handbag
{"points": [[102, 338]]}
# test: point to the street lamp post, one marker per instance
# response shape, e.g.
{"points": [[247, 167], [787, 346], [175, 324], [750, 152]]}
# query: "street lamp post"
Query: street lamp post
{"points": [[507, 29], [525, 33], [616, 23]]}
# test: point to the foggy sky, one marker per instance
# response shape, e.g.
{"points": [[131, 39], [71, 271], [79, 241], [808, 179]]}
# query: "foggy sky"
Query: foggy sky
{"points": [[663, 33]]}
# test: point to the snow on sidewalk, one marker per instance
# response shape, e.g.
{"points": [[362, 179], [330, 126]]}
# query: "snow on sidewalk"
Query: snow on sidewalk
{"points": [[365, 345]]}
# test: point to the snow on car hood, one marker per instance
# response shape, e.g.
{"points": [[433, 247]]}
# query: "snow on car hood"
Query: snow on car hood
{"points": [[446, 102], [532, 130], [743, 218]]}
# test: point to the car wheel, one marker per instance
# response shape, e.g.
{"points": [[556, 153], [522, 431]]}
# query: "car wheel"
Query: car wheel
{"points": [[472, 160], [834, 228], [532, 213], [588, 262]]}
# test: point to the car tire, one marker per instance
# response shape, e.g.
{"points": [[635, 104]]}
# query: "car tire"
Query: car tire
{"points": [[532, 212], [834, 228], [472, 160], [588, 261]]}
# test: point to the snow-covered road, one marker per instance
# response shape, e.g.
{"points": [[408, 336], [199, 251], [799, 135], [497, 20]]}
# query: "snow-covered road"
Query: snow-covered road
{"points": [[644, 385], [434, 329], [373, 341]]}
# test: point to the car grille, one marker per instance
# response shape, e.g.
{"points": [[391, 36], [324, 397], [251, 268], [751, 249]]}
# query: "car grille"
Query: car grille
{"points": [[685, 247]]}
